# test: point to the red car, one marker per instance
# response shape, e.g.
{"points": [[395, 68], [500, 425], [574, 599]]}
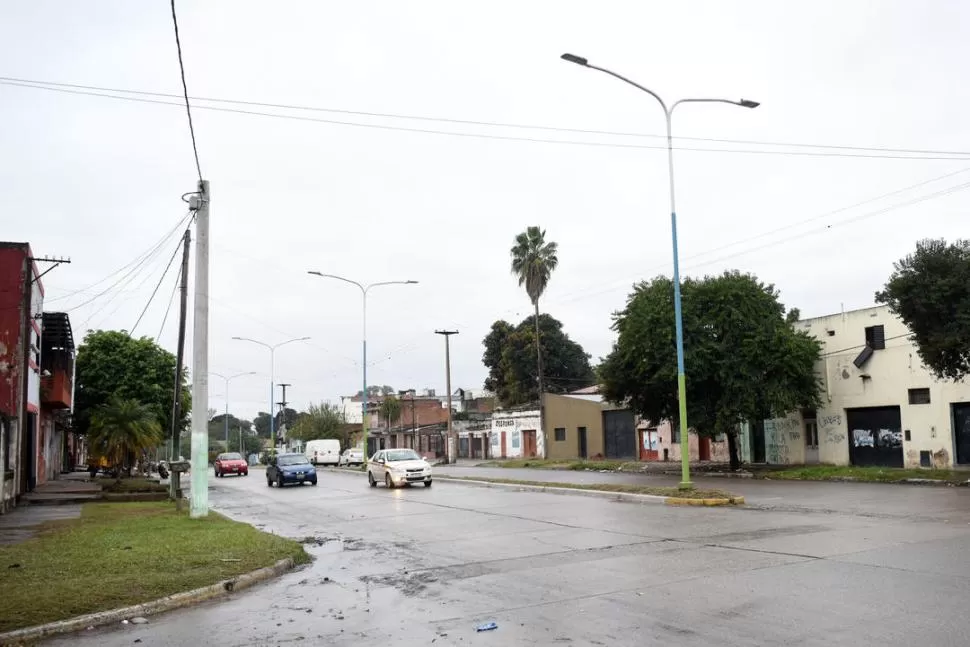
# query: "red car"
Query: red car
{"points": [[231, 463]]}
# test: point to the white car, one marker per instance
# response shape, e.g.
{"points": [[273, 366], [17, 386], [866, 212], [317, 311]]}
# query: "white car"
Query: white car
{"points": [[396, 467], [352, 457]]}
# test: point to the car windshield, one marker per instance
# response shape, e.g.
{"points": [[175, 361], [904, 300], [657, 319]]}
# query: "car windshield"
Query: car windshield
{"points": [[296, 459], [230, 457], [402, 455]]}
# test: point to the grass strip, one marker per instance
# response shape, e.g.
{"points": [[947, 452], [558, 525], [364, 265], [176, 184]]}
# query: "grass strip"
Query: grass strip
{"points": [[121, 554], [865, 474]]}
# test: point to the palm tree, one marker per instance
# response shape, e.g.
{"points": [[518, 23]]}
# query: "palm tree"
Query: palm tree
{"points": [[391, 409], [121, 429], [533, 261]]}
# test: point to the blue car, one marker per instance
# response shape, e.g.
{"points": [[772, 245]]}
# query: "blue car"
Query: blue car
{"points": [[290, 468]]}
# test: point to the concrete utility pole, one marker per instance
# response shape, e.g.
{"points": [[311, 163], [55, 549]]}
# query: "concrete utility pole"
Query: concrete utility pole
{"points": [[199, 506], [447, 334]]}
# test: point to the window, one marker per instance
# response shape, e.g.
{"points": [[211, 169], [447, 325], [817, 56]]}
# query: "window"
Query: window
{"points": [[674, 435], [515, 440], [876, 337], [919, 396], [560, 434]]}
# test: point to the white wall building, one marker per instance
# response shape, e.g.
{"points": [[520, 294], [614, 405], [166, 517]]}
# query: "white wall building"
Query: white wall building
{"points": [[880, 405], [516, 434], [353, 410]]}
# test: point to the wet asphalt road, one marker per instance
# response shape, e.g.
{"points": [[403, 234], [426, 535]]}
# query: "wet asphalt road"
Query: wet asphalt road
{"points": [[424, 566]]}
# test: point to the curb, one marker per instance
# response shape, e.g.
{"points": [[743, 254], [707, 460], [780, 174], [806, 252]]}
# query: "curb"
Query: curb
{"points": [[175, 601], [707, 503], [552, 489]]}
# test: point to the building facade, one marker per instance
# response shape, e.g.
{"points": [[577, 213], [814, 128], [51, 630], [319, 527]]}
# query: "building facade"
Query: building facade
{"points": [[585, 426], [880, 405], [21, 305], [516, 433]]}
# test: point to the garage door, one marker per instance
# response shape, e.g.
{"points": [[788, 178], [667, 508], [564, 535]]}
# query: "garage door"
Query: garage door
{"points": [[875, 436], [619, 434]]}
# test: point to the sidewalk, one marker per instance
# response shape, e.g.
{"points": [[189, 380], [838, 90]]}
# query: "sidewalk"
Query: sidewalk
{"points": [[75, 487], [21, 523]]}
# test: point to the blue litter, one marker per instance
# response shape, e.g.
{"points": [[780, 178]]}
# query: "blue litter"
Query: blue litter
{"points": [[488, 626]]}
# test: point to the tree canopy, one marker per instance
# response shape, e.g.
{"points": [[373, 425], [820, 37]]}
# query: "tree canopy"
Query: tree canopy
{"points": [[121, 429], [112, 364], [322, 420], [261, 421], [390, 409], [510, 359], [930, 291], [744, 360]]}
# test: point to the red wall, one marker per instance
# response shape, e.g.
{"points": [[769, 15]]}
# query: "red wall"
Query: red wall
{"points": [[11, 319]]}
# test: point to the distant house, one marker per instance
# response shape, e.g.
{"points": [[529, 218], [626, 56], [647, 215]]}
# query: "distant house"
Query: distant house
{"points": [[582, 424]]}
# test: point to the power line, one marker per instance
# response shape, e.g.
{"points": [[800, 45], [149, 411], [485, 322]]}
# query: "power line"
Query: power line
{"points": [[960, 187], [185, 91], [846, 350], [171, 300], [155, 291], [570, 142], [134, 269], [121, 269], [471, 122]]}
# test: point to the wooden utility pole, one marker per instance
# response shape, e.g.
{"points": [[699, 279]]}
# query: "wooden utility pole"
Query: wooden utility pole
{"points": [[447, 334]]}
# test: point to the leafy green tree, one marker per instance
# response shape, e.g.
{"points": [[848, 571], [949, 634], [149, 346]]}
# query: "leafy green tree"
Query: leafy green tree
{"points": [[261, 421], [322, 420], [250, 444], [112, 364], [217, 426], [512, 369], [533, 262], [121, 429], [744, 360], [930, 291], [390, 409]]}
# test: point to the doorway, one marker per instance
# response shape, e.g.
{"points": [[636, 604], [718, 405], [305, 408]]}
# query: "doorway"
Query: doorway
{"points": [[875, 436], [961, 431], [811, 441], [583, 448], [757, 441], [704, 448], [502, 434], [529, 443]]}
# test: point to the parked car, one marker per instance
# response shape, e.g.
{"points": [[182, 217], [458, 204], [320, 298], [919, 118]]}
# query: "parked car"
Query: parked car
{"points": [[231, 463], [352, 457], [396, 467], [290, 468], [325, 451]]}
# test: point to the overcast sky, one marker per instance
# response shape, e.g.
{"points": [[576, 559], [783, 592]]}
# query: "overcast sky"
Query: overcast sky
{"points": [[100, 179]]}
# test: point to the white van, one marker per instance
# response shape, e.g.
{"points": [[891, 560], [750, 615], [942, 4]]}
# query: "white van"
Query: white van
{"points": [[323, 452]]}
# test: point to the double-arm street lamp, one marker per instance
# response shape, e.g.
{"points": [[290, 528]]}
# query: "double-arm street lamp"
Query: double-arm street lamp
{"points": [[364, 289], [272, 378], [681, 376], [227, 381]]}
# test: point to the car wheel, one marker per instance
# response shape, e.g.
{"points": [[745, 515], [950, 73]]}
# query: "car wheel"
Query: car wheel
{"points": [[279, 481], [388, 483], [217, 473], [313, 483], [269, 482], [370, 479], [427, 484]]}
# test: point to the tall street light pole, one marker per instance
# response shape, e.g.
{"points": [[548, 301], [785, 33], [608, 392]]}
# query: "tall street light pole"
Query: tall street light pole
{"points": [[681, 375], [226, 416], [364, 289], [272, 378]]}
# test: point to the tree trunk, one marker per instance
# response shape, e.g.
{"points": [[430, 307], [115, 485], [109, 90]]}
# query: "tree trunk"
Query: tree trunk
{"points": [[733, 451], [538, 352]]}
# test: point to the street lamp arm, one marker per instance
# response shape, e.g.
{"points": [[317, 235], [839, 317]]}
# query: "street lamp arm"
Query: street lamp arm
{"points": [[743, 103], [264, 344], [339, 278], [374, 285], [233, 377], [289, 341], [633, 83]]}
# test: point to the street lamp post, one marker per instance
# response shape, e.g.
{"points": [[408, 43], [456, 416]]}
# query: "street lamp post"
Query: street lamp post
{"points": [[681, 375], [226, 416], [364, 289], [272, 378]]}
